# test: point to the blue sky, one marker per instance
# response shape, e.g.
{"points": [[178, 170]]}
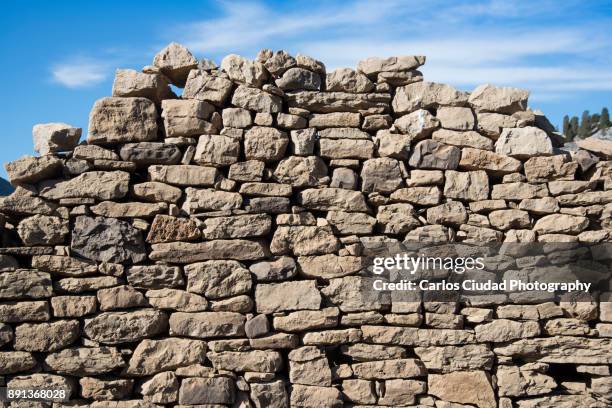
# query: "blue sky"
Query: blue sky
{"points": [[58, 57]]}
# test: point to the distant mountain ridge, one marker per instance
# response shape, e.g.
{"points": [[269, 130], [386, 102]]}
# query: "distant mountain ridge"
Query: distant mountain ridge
{"points": [[5, 187]]}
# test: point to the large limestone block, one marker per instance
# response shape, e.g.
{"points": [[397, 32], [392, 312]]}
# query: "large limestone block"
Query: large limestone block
{"points": [[542, 169], [561, 224], [375, 65], [345, 223], [456, 358], [128, 210], [174, 299], [519, 382], [210, 200], [333, 199], [518, 191], [600, 147], [475, 159], [55, 137], [217, 150], [24, 283], [510, 219], [184, 175], [503, 330], [147, 153], [31, 169], [12, 362], [418, 195], [205, 391], [175, 61], [455, 118], [46, 337], [186, 117], [207, 324], [205, 87], [489, 98], [153, 356], [388, 369], [309, 366], [287, 296], [236, 118], [382, 175], [99, 185], [107, 240], [400, 392], [256, 100], [412, 336], [463, 139], [125, 327], [129, 82], [154, 191], [560, 350], [334, 120], [418, 124], [299, 171], [120, 120], [303, 240], [313, 396], [330, 266], [524, 142], [245, 71], [429, 154], [297, 79], [327, 102], [155, 276], [42, 230], [353, 294], [422, 95], [84, 361], [452, 213], [463, 387], [265, 144], [396, 218], [269, 394], [184, 252], [346, 148], [347, 80], [238, 226], [218, 279]]}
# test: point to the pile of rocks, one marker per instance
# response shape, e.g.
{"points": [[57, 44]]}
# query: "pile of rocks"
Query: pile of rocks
{"points": [[208, 249]]}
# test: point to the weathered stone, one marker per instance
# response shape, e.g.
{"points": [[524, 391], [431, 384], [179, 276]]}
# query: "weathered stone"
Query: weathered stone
{"points": [[73, 306], [422, 95], [418, 124], [489, 98], [463, 139], [98, 185], [475, 159], [411, 336], [146, 153], [154, 356], [518, 191], [561, 224], [543, 169], [175, 61], [87, 284], [303, 141], [41, 382], [128, 210], [42, 230], [245, 71], [396, 218], [347, 80], [352, 294], [368, 352], [295, 79], [256, 360], [346, 223], [217, 150], [25, 283], [210, 200], [464, 387], [418, 195], [154, 276], [346, 148], [129, 82], [375, 65], [303, 240], [115, 241], [184, 252], [120, 120], [335, 120], [600, 147], [12, 362], [509, 219], [154, 191], [218, 279], [455, 118], [23, 311], [204, 87], [83, 361], [343, 133], [207, 324], [256, 100], [251, 170], [333, 199], [307, 320], [524, 142], [506, 330], [23, 202], [184, 175], [381, 175], [266, 189], [216, 390], [429, 154], [278, 269], [388, 369], [269, 394], [55, 137], [103, 390], [162, 388], [453, 358], [299, 171], [545, 205], [265, 143], [330, 266], [46, 337], [450, 213], [125, 327], [287, 296], [31, 169], [120, 297]]}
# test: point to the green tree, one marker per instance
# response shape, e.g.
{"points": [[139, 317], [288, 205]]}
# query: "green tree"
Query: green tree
{"points": [[573, 128], [604, 119], [585, 125]]}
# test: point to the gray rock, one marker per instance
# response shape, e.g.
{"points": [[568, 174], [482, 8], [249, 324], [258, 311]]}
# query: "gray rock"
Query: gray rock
{"points": [[146, 153], [215, 390], [429, 154], [107, 240], [299, 79], [205, 87]]}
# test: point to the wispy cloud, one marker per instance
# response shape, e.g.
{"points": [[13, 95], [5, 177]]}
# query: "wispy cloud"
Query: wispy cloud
{"points": [[80, 72]]}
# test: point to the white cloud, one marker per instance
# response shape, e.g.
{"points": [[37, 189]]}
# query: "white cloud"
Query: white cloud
{"points": [[80, 73]]}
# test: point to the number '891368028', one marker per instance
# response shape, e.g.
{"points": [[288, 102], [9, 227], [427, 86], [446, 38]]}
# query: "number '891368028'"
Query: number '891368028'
{"points": [[34, 394]]}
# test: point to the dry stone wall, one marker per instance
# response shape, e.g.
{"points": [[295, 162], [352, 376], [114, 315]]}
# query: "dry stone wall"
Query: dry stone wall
{"points": [[207, 249]]}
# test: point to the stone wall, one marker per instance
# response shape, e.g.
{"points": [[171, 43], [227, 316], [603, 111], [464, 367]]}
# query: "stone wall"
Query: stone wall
{"points": [[206, 249]]}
